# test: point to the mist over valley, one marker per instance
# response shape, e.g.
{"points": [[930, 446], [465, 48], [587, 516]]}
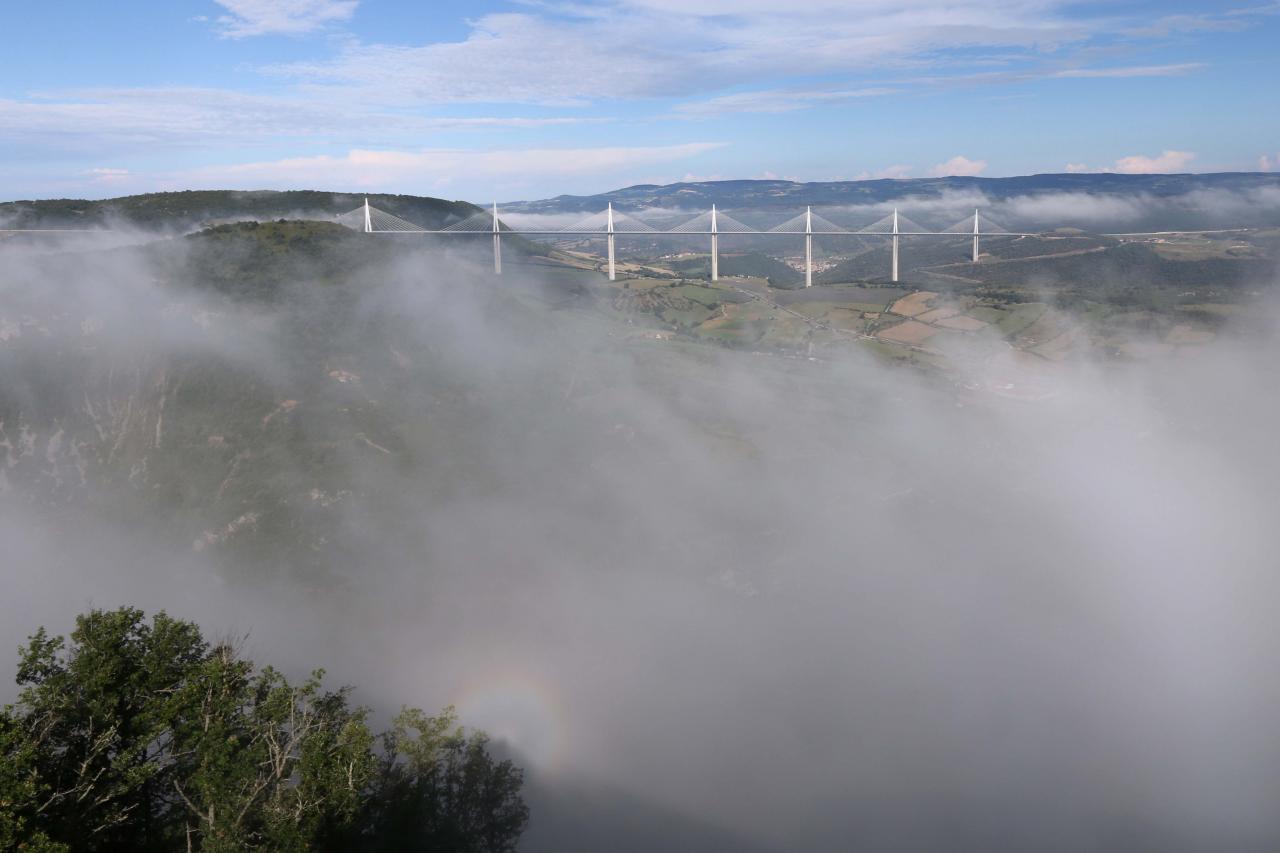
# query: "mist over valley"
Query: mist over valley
{"points": [[638, 425], [722, 565]]}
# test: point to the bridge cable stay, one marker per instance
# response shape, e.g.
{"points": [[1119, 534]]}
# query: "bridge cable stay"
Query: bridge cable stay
{"points": [[894, 224], [985, 225], [701, 224], [382, 222], [353, 219], [884, 225], [610, 222], [622, 224], [714, 223], [808, 224], [370, 219], [478, 223], [796, 225], [976, 225]]}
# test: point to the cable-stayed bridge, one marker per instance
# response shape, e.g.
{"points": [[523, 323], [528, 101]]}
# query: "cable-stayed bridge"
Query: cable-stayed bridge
{"points": [[610, 224]]}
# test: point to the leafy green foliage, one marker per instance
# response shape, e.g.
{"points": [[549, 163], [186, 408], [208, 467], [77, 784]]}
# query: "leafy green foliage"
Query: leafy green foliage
{"points": [[142, 736], [751, 264], [182, 210], [429, 765]]}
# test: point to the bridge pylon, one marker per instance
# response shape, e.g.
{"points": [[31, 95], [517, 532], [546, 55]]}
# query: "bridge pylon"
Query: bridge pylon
{"points": [[497, 242], [715, 247], [613, 273], [895, 245], [975, 235], [808, 247]]}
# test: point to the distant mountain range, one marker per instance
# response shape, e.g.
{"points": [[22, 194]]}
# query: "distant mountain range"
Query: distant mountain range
{"points": [[1090, 201]]}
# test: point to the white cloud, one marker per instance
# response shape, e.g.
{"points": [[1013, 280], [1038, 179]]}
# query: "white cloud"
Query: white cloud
{"points": [[1134, 71], [1139, 164], [288, 17], [1181, 24], [195, 116], [1268, 164], [566, 53], [777, 100], [1074, 209], [108, 175], [406, 171], [959, 165]]}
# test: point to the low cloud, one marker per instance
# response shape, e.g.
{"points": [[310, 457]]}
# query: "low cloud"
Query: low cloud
{"points": [[1103, 212], [107, 175], [1075, 209], [1167, 161], [1140, 164], [959, 165], [802, 601]]}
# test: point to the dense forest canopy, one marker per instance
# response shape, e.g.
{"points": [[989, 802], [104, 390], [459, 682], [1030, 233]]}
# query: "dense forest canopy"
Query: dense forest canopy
{"points": [[141, 735]]}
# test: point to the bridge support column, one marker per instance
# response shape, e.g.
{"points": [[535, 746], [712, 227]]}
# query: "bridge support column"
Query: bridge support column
{"points": [[975, 235], [808, 247], [715, 247], [613, 273], [895, 245], [368, 220], [497, 242]]}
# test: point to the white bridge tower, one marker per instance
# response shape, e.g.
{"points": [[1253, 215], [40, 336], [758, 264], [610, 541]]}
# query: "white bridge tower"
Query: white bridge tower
{"points": [[613, 273], [895, 245], [808, 247], [975, 235], [497, 242], [715, 247]]}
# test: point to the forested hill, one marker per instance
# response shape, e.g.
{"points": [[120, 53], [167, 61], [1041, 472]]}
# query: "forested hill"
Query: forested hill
{"points": [[197, 208]]}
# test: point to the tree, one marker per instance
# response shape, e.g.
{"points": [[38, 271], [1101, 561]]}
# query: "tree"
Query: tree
{"points": [[436, 783], [141, 736]]}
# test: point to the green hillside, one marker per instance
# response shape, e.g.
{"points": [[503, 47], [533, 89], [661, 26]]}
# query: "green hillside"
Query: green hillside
{"points": [[752, 264], [238, 389], [192, 208]]}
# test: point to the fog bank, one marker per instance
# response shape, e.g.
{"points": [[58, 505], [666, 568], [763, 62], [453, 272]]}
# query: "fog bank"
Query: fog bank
{"points": [[763, 602]]}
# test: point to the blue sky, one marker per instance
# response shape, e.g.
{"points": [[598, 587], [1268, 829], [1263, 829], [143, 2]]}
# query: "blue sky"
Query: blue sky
{"points": [[514, 100]]}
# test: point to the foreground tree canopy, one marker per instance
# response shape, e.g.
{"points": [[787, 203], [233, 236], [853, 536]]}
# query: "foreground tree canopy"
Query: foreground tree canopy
{"points": [[142, 736]]}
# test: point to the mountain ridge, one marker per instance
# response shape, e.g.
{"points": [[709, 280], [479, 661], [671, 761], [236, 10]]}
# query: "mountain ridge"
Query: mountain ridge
{"points": [[194, 209], [782, 193]]}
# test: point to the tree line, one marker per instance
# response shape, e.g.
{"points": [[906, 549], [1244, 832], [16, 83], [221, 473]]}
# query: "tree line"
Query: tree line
{"points": [[140, 735]]}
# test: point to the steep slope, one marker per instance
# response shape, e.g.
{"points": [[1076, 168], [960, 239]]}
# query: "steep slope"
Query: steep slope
{"points": [[231, 388]]}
